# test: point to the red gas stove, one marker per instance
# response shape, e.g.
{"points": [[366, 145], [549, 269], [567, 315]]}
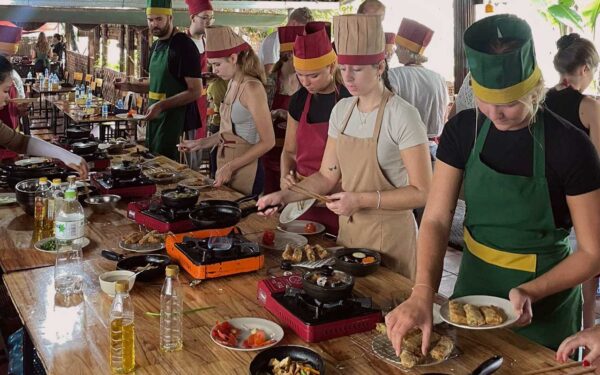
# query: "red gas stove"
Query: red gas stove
{"points": [[97, 161], [311, 319], [153, 215], [137, 187]]}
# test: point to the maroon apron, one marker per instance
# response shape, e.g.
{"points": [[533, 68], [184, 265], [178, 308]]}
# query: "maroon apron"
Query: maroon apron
{"points": [[272, 159], [9, 115], [310, 147], [202, 103]]}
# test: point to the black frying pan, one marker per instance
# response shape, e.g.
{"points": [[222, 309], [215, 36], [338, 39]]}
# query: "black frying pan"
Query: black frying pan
{"points": [[260, 363], [220, 216], [134, 262], [188, 197]]}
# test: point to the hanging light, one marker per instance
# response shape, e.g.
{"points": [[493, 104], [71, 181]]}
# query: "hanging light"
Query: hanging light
{"points": [[489, 7]]}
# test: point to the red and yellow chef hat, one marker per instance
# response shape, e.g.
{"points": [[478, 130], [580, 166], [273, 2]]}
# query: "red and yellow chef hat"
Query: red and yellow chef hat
{"points": [[413, 36]]}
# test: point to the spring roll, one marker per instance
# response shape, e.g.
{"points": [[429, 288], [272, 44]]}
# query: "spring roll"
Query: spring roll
{"points": [[474, 316], [457, 313], [493, 315]]}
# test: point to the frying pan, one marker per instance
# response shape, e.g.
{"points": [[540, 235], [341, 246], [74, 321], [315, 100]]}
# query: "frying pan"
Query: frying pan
{"points": [[179, 202], [84, 148], [327, 294], [260, 363], [132, 263], [216, 214]]}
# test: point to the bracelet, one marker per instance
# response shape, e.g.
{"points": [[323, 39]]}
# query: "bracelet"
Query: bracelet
{"points": [[378, 199], [425, 285]]}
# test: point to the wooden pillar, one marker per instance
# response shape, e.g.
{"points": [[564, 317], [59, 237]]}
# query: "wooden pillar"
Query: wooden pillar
{"points": [[464, 16], [144, 51], [104, 49], [122, 53], [130, 55]]}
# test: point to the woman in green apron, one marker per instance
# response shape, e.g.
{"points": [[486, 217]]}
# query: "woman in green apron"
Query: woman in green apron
{"points": [[528, 178], [246, 130]]}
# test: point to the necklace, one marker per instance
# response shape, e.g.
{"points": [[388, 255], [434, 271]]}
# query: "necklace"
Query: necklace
{"points": [[362, 117]]}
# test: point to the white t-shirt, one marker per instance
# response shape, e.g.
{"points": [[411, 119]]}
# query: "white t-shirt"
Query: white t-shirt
{"points": [[424, 89], [401, 128], [18, 84], [269, 49], [199, 44]]}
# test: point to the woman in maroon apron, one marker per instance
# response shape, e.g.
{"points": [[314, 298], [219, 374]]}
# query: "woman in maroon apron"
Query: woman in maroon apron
{"points": [[310, 108], [284, 84]]}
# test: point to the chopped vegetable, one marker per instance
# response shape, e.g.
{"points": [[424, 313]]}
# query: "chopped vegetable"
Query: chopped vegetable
{"points": [[368, 260], [359, 255], [49, 245], [257, 339], [288, 366], [310, 228], [268, 238]]}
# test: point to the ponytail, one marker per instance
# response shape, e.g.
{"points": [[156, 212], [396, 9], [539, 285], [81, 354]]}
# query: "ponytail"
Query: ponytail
{"points": [[250, 65]]}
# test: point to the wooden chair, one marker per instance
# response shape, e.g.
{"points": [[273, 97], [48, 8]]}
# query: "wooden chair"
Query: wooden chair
{"points": [[77, 78], [88, 78]]}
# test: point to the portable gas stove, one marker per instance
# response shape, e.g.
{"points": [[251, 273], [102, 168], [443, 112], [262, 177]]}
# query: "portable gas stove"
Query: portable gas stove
{"points": [[311, 319], [155, 216], [202, 259], [98, 161], [137, 187]]}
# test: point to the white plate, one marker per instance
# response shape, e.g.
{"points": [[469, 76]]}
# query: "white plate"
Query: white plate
{"points": [[145, 248], [272, 330], [437, 317], [30, 161], [294, 210], [502, 303], [84, 241], [281, 240], [297, 226], [137, 116], [7, 198], [189, 183]]}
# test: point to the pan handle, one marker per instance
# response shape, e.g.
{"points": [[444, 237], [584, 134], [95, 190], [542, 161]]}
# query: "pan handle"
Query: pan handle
{"points": [[253, 209], [489, 366], [111, 255]]}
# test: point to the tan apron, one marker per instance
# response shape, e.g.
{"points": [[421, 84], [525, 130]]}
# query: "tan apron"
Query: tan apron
{"points": [[390, 232], [232, 146]]}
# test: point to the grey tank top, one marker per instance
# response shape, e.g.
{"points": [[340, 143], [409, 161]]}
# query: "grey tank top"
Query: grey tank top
{"points": [[242, 120]]}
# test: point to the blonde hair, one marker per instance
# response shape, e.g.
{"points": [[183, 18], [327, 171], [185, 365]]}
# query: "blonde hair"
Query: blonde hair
{"points": [[533, 100], [42, 43], [250, 65]]}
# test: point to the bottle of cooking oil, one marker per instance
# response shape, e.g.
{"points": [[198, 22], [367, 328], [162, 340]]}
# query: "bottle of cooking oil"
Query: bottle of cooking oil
{"points": [[171, 309], [40, 209], [54, 199], [122, 333]]}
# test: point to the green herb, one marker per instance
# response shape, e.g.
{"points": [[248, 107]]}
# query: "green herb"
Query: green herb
{"points": [[157, 314], [49, 245]]}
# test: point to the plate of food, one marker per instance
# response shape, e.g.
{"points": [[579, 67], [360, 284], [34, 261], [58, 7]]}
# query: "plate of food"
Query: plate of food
{"points": [[286, 360], [479, 312], [7, 198], [303, 227], [246, 334], [48, 245], [441, 349], [307, 256], [130, 116], [294, 210], [161, 175], [197, 183], [140, 242], [31, 161], [276, 240]]}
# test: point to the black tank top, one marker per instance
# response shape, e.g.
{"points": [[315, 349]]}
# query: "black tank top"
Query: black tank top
{"points": [[566, 104]]}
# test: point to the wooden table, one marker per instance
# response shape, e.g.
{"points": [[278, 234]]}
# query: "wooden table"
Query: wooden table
{"points": [[44, 92]]}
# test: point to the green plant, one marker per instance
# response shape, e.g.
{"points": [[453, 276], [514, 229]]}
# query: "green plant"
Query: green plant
{"points": [[562, 13], [590, 14]]}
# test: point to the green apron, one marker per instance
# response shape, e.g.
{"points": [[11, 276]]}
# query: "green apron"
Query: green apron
{"points": [[510, 239], [162, 135]]}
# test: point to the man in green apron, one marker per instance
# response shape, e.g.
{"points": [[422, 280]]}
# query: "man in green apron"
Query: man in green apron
{"points": [[175, 81], [516, 246]]}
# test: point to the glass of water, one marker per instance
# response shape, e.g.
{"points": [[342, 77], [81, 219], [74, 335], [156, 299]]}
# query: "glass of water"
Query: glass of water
{"points": [[68, 270]]}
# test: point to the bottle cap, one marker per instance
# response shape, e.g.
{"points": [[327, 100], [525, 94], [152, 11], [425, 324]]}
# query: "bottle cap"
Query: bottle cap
{"points": [[172, 270], [56, 181], [70, 194], [43, 180], [71, 178], [122, 286]]}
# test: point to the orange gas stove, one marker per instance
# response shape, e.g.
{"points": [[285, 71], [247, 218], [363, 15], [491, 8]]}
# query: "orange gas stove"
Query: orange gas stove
{"points": [[212, 253]]}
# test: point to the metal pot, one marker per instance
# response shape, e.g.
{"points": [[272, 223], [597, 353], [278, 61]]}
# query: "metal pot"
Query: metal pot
{"points": [[328, 293], [126, 170], [170, 199], [84, 148], [76, 132], [25, 193]]}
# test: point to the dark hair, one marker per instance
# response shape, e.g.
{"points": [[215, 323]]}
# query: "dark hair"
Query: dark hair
{"points": [[283, 58], [500, 46], [385, 78], [5, 68], [301, 15], [573, 52], [58, 37]]}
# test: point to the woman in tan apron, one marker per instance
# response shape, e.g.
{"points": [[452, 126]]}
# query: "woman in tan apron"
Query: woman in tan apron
{"points": [[376, 202], [246, 131]]}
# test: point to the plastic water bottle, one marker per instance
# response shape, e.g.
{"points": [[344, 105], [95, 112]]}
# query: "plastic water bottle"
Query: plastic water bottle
{"points": [[69, 222], [42, 82], [88, 104], [122, 331], [30, 75], [171, 309], [40, 209], [104, 110], [120, 104], [90, 96], [46, 73]]}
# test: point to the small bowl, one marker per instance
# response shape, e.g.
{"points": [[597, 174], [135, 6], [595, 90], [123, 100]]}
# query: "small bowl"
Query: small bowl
{"points": [[109, 279], [356, 269], [102, 204]]}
